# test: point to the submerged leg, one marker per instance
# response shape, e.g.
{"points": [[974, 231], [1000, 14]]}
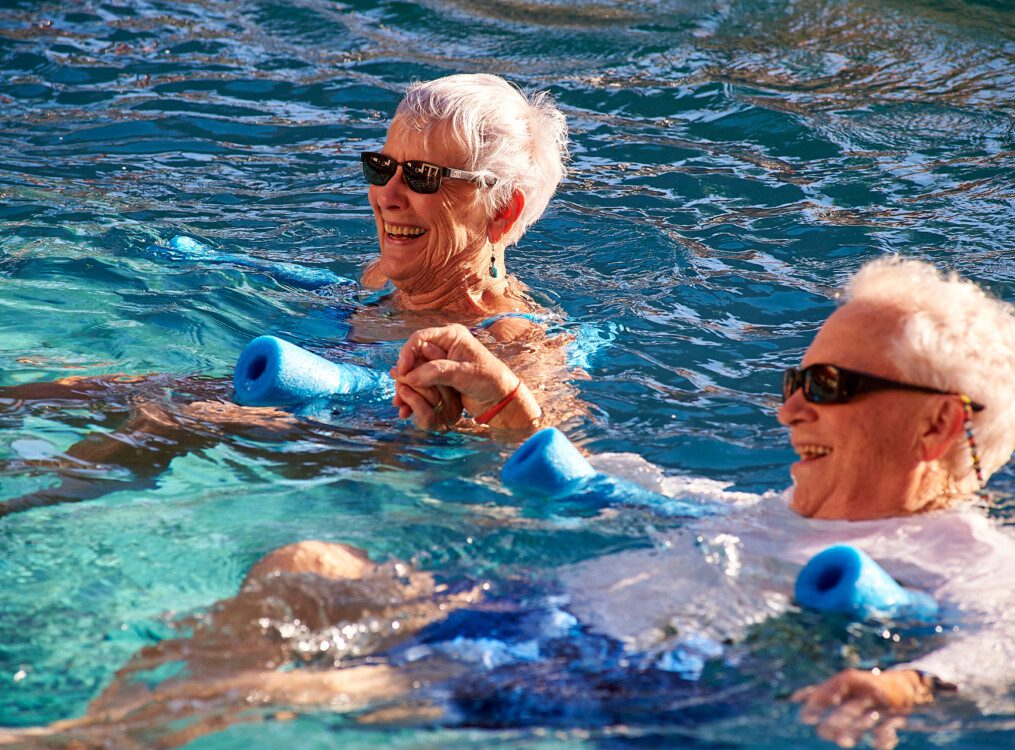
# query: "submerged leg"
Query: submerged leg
{"points": [[308, 587], [143, 447], [326, 559]]}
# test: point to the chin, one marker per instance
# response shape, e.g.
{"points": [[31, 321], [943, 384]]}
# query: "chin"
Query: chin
{"points": [[391, 268], [806, 502], [801, 507]]}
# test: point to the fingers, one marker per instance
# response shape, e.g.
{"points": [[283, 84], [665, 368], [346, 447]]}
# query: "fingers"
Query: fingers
{"points": [[801, 695], [448, 359], [431, 351], [851, 704], [406, 358], [411, 358], [846, 724], [886, 736], [454, 342], [404, 410], [440, 372], [424, 395], [819, 698], [430, 407], [417, 407]]}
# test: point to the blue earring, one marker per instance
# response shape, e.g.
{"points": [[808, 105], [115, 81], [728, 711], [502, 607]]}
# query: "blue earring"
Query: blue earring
{"points": [[493, 266]]}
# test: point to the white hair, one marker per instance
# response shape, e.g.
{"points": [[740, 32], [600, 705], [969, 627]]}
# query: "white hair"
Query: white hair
{"points": [[520, 141], [955, 337]]}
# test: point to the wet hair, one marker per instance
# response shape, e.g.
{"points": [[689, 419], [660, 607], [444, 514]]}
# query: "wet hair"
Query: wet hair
{"points": [[953, 336], [522, 141]]}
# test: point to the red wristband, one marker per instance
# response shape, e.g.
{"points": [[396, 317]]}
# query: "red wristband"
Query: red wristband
{"points": [[497, 408]]}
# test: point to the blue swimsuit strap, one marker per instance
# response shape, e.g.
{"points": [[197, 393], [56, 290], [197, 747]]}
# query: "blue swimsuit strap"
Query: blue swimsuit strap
{"points": [[532, 317], [375, 296]]}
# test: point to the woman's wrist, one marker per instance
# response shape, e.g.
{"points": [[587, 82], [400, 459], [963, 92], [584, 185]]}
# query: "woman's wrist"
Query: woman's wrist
{"points": [[517, 409], [932, 683], [906, 686]]}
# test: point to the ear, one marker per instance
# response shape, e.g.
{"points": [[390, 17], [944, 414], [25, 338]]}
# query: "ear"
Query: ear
{"points": [[506, 217], [944, 426]]}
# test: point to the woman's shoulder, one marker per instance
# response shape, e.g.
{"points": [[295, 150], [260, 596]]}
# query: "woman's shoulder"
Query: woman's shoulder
{"points": [[372, 278], [514, 316], [515, 325]]}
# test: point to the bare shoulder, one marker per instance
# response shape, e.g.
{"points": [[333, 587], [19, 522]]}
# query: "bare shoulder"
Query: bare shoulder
{"points": [[372, 278], [510, 329]]}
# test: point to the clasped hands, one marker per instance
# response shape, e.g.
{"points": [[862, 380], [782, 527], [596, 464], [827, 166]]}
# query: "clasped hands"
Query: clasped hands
{"points": [[443, 372]]}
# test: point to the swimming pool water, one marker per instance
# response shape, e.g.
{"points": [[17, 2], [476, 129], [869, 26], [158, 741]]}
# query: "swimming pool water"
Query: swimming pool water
{"points": [[733, 163]]}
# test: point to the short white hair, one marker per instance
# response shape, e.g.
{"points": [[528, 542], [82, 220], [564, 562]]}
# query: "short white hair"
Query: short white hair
{"points": [[522, 141], [953, 336]]}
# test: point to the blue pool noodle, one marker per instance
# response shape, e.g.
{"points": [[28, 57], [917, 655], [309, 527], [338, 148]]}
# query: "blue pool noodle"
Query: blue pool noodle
{"points": [[845, 579], [190, 250], [548, 464], [273, 372]]}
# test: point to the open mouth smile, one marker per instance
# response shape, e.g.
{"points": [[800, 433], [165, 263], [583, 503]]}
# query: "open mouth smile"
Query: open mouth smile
{"points": [[811, 451], [403, 231]]}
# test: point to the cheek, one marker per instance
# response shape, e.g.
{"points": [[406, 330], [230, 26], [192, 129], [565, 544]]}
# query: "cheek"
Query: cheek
{"points": [[882, 439], [457, 222]]}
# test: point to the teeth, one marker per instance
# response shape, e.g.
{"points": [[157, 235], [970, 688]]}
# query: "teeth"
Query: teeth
{"points": [[813, 451], [403, 231]]}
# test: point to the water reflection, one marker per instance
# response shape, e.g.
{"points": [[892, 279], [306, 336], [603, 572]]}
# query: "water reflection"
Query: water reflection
{"points": [[733, 161]]}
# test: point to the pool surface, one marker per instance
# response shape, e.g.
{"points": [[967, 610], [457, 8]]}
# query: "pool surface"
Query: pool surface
{"points": [[733, 163]]}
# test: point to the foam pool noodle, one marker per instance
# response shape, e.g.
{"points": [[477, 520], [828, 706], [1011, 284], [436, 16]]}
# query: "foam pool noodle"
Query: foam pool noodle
{"points": [[845, 579], [182, 248], [273, 372], [548, 464]]}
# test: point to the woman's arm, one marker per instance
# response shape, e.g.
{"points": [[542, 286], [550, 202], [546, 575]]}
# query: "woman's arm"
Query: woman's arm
{"points": [[231, 664], [174, 715]]}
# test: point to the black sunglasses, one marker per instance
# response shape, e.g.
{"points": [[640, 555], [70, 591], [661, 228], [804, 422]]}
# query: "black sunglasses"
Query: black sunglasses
{"points": [[420, 176], [830, 384]]}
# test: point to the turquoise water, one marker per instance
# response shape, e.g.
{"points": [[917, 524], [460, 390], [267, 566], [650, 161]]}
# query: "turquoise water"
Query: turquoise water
{"points": [[733, 163]]}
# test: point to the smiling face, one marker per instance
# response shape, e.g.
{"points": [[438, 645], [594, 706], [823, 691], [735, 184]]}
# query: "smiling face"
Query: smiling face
{"points": [[860, 459], [424, 238]]}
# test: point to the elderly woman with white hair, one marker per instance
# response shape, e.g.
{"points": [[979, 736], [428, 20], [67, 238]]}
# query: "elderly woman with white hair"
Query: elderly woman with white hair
{"points": [[468, 165], [902, 408]]}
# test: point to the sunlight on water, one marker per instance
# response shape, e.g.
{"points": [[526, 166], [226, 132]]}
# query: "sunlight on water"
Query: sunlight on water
{"points": [[733, 162]]}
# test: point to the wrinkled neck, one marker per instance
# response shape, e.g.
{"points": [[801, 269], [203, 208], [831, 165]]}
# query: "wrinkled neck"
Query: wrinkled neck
{"points": [[463, 287], [927, 487]]}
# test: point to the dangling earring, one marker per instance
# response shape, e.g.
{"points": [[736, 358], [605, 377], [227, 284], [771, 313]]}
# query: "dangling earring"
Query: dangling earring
{"points": [[493, 265], [967, 405]]}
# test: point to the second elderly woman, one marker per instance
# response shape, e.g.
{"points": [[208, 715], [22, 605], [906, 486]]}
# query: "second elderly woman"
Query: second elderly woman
{"points": [[902, 408]]}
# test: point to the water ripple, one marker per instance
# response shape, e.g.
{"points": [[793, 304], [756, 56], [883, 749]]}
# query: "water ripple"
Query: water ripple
{"points": [[733, 162]]}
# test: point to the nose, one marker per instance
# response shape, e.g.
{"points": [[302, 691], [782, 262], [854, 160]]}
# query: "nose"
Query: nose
{"points": [[393, 195], [795, 410]]}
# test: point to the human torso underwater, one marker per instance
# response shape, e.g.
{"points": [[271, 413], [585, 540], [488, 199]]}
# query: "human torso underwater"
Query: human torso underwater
{"points": [[723, 574]]}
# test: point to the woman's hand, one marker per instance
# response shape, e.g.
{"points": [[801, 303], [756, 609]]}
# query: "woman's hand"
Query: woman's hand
{"points": [[433, 408], [452, 358], [854, 702]]}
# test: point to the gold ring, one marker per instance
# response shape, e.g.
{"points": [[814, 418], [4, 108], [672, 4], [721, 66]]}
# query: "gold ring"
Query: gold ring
{"points": [[438, 408]]}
